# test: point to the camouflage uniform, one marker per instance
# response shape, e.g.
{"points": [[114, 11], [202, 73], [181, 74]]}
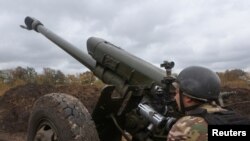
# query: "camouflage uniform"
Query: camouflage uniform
{"points": [[189, 128], [192, 128]]}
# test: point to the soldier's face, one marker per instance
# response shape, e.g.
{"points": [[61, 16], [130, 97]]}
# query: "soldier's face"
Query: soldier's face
{"points": [[187, 101]]}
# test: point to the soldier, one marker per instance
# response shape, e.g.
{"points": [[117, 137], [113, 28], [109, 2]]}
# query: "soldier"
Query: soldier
{"points": [[197, 89]]}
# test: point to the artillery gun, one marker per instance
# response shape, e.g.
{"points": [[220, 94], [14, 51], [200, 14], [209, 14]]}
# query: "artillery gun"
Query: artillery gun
{"points": [[136, 103]]}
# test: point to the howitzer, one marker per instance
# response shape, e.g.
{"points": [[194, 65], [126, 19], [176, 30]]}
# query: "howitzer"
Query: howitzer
{"points": [[137, 99]]}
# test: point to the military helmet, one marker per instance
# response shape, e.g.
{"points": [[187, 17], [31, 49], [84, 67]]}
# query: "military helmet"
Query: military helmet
{"points": [[199, 83]]}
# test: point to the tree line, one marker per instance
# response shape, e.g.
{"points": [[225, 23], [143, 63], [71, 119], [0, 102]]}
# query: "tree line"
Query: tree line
{"points": [[236, 78], [21, 75], [49, 76]]}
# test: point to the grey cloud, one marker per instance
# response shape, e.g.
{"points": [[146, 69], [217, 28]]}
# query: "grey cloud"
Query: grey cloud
{"points": [[209, 33]]}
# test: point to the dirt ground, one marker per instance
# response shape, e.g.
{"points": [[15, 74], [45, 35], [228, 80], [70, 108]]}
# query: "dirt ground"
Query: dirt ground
{"points": [[16, 104]]}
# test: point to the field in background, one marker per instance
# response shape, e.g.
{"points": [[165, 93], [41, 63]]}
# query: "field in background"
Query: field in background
{"points": [[20, 76], [11, 78], [20, 87]]}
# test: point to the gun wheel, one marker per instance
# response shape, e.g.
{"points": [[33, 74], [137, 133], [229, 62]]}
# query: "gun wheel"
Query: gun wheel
{"points": [[60, 117], [46, 132]]}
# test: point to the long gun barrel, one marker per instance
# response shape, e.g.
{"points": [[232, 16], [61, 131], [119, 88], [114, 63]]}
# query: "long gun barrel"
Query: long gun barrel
{"points": [[108, 62], [85, 59]]}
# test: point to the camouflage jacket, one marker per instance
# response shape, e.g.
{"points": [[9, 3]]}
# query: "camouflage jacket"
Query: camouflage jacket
{"points": [[192, 128]]}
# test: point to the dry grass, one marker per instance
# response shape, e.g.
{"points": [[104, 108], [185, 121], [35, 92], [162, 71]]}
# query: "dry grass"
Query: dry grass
{"points": [[236, 84], [6, 86], [3, 89]]}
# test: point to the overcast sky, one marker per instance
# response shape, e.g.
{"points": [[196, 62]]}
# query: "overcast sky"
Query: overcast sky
{"points": [[211, 33]]}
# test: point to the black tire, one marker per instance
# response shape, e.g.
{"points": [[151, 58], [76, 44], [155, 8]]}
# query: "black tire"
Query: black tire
{"points": [[60, 117]]}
